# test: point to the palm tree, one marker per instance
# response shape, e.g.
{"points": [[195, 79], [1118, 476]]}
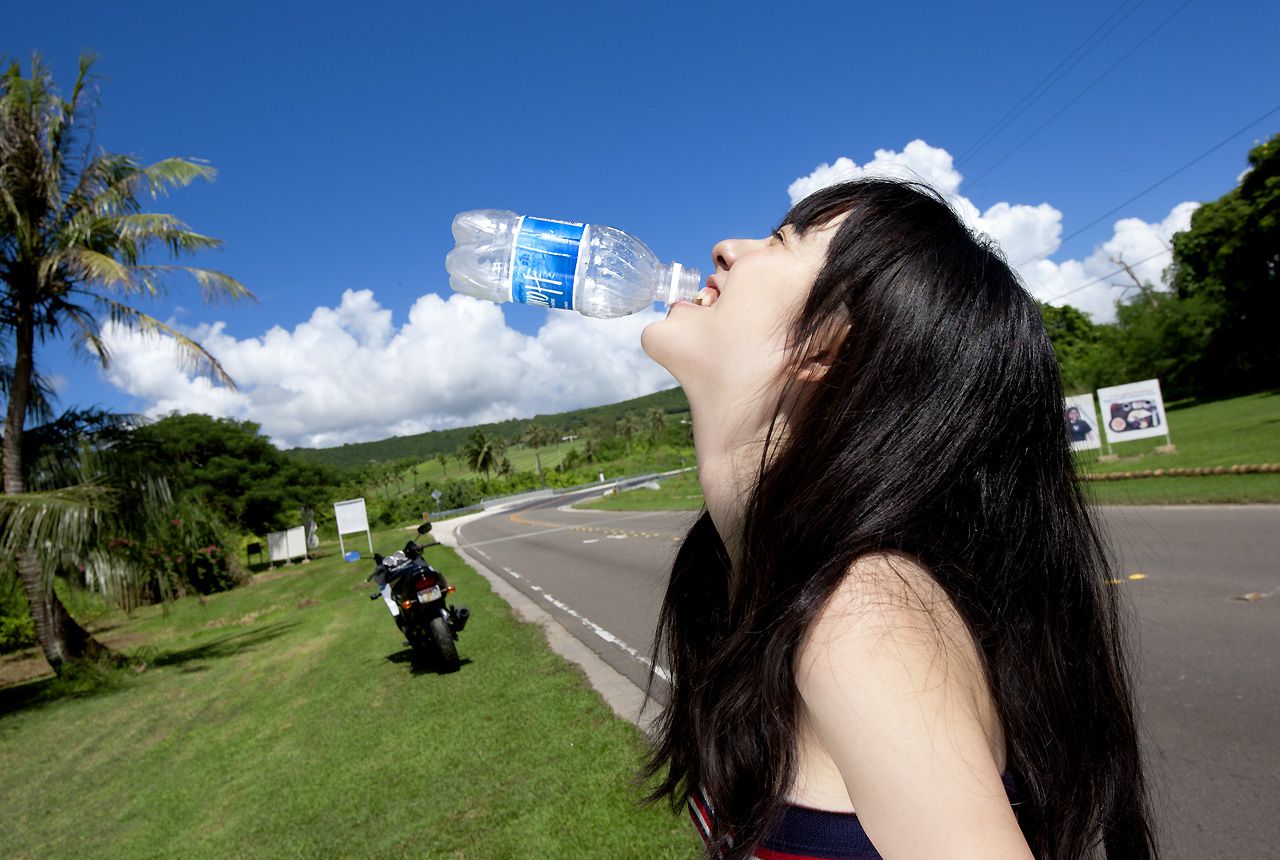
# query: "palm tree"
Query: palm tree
{"points": [[657, 420], [93, 495], [628, 426], [444, 462], [75, 250], [537, 436], [482, 452]]}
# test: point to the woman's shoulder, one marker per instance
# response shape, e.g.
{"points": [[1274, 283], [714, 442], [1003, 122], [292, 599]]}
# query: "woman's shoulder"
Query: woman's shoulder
{"points": [[888, 593], [893, 689], [890, 645]]}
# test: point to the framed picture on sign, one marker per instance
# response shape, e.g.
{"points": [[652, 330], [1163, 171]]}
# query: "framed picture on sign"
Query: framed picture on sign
{"points": [[1082, 423], [1132, 411]]}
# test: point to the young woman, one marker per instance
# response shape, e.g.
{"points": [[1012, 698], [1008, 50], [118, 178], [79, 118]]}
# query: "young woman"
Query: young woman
{"points": [[889, 634]]}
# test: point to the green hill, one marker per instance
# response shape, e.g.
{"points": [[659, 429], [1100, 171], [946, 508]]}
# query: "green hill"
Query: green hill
{"points": [[423, 446]]}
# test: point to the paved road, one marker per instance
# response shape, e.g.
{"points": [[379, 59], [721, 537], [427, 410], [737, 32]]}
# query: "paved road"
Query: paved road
{"points": [[1208, 670]]}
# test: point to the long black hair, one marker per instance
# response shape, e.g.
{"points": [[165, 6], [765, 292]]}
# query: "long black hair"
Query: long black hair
{"points": [[938, 431]]}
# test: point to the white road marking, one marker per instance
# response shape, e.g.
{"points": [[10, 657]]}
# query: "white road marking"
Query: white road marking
{"points": [[557, 529], [607, 636], [592, 540]]}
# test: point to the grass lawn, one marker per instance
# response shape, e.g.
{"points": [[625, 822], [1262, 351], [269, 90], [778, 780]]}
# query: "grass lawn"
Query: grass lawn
{"points": [[678, 493], [284, 719], [1239, 430], [1236, 431]]}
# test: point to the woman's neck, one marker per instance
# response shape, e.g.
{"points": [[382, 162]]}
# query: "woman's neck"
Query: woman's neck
{"points": [[728, 450]]}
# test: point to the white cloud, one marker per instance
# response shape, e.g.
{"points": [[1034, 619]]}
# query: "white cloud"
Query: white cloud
{"points": [[351, 374], [1027, 234]]}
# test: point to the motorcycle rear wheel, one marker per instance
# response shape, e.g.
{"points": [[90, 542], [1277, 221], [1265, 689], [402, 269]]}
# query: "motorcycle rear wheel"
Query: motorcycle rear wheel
{"points": [[446, 649]]}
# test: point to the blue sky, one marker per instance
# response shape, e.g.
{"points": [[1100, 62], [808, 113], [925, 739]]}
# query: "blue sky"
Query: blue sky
{"points": [[347, 135]]}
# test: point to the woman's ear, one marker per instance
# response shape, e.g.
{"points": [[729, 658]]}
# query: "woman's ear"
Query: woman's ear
{"points": [[828, 344]]}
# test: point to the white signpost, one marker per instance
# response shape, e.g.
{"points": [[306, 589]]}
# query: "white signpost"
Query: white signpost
{"points": [[1133, 411], [1082, 423], [352, 518], [287, 545]]}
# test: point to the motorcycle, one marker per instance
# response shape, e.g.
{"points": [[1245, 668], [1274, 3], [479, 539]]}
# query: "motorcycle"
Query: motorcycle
{"points": [[415, 594]]}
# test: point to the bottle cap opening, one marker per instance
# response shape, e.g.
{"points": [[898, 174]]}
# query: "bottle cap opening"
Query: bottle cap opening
{"points": [[684, 285]]}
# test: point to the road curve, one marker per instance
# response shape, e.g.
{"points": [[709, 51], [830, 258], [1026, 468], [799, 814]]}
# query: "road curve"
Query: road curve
{"points": [[1203, 584]]}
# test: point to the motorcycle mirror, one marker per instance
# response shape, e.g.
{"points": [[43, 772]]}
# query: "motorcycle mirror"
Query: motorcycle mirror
{"points": [[377, 558], [424, 528]]}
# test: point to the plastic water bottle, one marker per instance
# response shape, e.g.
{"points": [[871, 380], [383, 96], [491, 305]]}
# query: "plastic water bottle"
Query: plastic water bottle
{"points": [[597, 271]]}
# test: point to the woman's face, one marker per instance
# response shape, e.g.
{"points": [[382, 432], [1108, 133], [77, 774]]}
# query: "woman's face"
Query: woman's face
{"points": [[734, 342]]}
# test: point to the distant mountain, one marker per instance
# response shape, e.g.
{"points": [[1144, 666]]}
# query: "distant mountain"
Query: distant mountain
{"points": [[423, 446]]}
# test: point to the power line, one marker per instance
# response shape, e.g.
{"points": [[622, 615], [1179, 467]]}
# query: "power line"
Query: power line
{"points": [[1046, 83], [1082, 93], [1061, 296], [1153, 186]]}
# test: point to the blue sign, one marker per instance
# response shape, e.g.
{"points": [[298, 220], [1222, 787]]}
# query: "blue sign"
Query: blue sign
{"points": [[352, 555], [546, 259]]}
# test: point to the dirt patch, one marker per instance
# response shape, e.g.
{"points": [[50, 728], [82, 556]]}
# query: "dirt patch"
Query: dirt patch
{"points": [[29, 663], [307, 601], [25, 665]]}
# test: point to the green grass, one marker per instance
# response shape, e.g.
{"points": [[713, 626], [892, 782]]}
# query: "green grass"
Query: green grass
{"points": [[677, 493], [1236, 431], [521, 457], [1240, 430], [1211, 489], [284, 719]]}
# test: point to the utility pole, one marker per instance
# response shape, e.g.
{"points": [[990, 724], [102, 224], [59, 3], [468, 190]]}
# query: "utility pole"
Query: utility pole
{"points": [[1143, 289]]}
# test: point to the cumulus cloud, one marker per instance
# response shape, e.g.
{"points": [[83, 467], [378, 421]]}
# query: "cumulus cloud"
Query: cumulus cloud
{"points": [[351, 373], [1027, 234]]}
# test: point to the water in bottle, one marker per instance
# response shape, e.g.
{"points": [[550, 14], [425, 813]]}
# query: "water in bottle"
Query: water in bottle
{"points": [[595, 270]]}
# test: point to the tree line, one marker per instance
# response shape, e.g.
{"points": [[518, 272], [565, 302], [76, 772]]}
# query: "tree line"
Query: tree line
{"points": [[1206, 332]]}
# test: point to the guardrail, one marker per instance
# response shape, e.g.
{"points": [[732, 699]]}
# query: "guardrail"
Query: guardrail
{"points": [[501, 501]]}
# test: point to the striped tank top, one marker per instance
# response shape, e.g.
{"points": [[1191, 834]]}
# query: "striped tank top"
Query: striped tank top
{"points": [[802, 833]]}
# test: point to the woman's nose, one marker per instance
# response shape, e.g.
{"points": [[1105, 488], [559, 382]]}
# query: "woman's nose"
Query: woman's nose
{"points": [[725, 254]]}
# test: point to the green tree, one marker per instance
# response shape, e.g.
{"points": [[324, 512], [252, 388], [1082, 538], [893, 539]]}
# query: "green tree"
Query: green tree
{"points": [[98, 511], [443, 460], [1083, 348], [235, 471], [76, 249], [657, 421], [537, 436], [628, 426], [1229, 263], [482, 452]]}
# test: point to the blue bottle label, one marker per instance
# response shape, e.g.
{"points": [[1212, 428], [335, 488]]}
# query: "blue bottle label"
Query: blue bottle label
{"points": [[545, 260]]}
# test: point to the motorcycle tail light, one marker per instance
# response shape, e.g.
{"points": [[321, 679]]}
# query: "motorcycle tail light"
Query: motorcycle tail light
{"points": [[424, 583]]}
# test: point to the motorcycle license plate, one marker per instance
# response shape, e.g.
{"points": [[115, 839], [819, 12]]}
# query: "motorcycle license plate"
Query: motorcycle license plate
{"points": [[430, 594]]}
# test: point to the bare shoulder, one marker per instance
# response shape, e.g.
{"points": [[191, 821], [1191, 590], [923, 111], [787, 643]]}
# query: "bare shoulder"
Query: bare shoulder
{"points": [[889, 600], [893, 689], [890, 629]]}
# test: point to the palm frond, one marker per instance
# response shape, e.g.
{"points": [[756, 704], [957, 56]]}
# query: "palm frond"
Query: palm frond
{"points": [[86, 265], [176, 173], [40, 397], [192, 355], [53, 523], [215, 286]]}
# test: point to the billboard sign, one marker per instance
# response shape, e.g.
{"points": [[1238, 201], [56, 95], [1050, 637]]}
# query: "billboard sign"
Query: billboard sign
{"points": [[351, 517], [1082, 423], [1133, 411], [286, 545]]}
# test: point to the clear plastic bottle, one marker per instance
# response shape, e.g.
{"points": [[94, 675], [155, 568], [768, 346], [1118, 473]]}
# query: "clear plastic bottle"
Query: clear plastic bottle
{"points": [[597, 271]]}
